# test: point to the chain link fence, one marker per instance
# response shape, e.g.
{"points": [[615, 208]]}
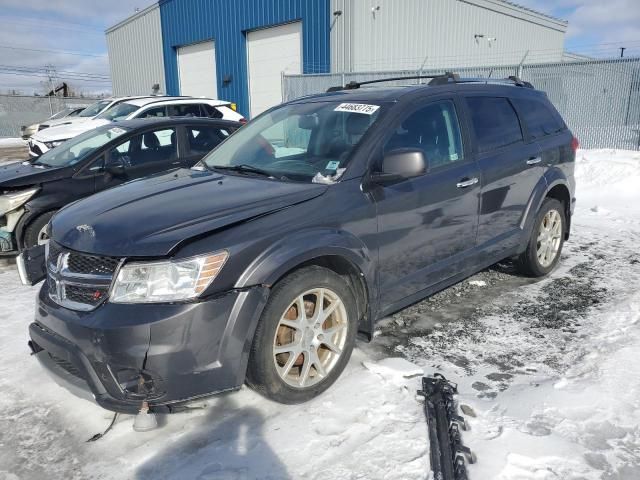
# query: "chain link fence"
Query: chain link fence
{"points": [[19, 110], [599, 100]]}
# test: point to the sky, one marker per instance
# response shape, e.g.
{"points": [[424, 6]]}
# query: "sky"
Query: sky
{"points": [[72, 34]]}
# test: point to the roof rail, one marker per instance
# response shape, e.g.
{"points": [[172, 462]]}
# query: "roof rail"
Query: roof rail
{"points": [[441, 79], [511, 80], [353, 85]]}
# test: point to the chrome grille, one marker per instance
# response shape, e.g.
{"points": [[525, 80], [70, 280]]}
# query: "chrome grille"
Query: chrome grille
{"points": [[78, 281]]}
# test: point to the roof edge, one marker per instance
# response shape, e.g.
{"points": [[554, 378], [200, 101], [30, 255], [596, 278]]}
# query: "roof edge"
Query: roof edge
{"points": [[131, 18], [507, 7]]}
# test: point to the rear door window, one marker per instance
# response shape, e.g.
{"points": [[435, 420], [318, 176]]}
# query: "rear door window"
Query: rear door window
{"points": [[495, 122], [210, 111], [538, 118], [203, 139]]}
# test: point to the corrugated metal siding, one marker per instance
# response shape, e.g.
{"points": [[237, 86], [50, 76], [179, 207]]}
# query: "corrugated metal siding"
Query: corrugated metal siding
{"points": [[135, 53], [226, 22], [405, 34]]}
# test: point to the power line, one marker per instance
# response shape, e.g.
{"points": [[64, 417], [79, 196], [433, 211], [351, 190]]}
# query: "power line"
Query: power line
{"points": [[45, 70], [66, 52], [40, 24], [46, 76]]}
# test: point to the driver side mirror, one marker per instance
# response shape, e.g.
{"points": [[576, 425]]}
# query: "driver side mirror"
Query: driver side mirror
{"points": [[401, 164], [115, 167]]}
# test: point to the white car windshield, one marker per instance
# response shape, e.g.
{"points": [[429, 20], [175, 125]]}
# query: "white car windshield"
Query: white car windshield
{"points": [[74, 150], [95, 109], [118, 112], [302, 142]]}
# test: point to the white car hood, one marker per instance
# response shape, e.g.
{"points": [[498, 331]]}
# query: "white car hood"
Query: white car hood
{"points": [[65, 132], [66, 121]]}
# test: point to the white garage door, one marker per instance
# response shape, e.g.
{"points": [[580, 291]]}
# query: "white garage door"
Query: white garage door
{"points": [[197, 70], [271, 51]]}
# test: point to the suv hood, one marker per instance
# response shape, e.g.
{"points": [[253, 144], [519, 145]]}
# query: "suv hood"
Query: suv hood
{"points": [[64, 132], [25, 174], [150, 217]]}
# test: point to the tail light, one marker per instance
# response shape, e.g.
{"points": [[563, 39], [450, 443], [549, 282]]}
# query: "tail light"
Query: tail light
{"points": [[243, 121], [574, 144]]}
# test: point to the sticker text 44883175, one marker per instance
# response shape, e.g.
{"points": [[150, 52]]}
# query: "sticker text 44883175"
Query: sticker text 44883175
{"points": [[357, 108]]}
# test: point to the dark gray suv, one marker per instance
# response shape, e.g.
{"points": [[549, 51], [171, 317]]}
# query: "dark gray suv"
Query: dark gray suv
{"points": [[263, 262]]}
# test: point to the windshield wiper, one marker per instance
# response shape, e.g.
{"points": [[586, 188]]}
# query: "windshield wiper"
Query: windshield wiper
{"points": [[243, 168]]}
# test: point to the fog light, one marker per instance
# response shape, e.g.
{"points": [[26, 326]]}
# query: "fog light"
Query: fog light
{"points": [[137, 383]]}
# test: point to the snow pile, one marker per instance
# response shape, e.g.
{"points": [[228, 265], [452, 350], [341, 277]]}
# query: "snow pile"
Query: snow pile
{"points": [[12, 143]]}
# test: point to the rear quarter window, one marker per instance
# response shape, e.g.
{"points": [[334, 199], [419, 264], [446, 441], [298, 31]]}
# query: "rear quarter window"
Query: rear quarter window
{"points": [[210, 111], [539, 118], [494, 121]]}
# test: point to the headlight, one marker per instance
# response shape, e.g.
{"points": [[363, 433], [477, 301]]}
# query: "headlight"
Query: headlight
{"points": [[54, 143], [166, 281], [12, 200]]}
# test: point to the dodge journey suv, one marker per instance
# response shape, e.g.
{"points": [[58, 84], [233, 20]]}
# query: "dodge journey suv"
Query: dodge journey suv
{"points": [[263, 262]]}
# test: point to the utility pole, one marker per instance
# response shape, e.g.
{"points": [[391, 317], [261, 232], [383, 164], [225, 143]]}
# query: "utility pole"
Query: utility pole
{"points": [[50, 69], [622, 49]]}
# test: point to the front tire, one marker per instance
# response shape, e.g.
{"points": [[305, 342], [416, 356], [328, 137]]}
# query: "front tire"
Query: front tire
{"points": [[305, 336], [36, 233], [546, 241]]}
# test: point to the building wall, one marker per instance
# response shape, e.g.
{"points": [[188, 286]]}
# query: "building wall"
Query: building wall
{"points": [[226, 22], [406, 34], [135, 53]]}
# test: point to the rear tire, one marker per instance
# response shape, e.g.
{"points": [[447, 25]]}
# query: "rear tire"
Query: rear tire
{"points": [[305, 336], [35, 233], [546, 241]]}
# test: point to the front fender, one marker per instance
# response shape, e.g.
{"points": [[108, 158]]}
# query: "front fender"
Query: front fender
{"points": [[306, 246]]}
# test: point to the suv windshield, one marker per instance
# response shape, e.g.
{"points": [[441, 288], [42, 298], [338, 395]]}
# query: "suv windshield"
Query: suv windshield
{"points": [[93, 110], [118, 112], [74, 150], [297, 142]]}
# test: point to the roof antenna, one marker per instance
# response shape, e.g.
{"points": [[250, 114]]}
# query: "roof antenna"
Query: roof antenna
{"points": [[490, 73]]}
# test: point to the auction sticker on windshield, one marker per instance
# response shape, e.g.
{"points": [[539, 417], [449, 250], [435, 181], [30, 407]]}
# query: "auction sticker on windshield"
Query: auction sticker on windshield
{"points": [[357, 108]]}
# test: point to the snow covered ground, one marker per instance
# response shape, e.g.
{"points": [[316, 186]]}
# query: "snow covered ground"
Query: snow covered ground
{"points": [[7, 142], [549, 367]]}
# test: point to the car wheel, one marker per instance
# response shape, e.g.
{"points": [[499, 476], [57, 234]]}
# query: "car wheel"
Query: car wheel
{"points": [[36, 232], [305, 336], [547, 238]]}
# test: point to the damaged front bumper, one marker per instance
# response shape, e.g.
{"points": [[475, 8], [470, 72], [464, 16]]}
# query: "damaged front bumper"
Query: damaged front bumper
{"points": [[166, 354], [8, 224]]}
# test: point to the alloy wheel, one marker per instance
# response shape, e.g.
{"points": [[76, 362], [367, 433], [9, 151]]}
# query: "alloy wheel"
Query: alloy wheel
{"points": [[310, 337], [549, 238]]}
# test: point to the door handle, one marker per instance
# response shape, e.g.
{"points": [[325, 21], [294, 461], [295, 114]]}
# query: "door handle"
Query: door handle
{"points": [[534, 160], [467, 183]]}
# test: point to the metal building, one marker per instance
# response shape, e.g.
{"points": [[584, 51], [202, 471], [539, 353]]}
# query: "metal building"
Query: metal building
{"points": [[135, 53], [408, 34], [237, 50]]}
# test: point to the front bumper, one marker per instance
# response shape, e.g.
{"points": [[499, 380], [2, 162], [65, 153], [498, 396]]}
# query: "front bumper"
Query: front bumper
{"points": [[165, 354]]}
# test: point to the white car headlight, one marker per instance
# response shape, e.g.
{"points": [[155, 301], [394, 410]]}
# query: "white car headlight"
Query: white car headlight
{"points": [[12, 200], [167, 280], [54, 144]]}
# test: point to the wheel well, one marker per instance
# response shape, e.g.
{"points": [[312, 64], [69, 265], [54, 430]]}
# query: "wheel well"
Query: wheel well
{"points": [[561, 193], [30, 222], [352, 275]]}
